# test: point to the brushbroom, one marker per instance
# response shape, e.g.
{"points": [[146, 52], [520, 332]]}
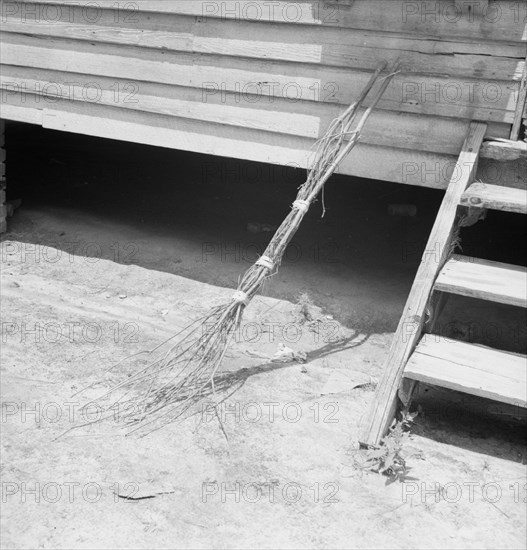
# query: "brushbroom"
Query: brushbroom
{"points": [[179, 373]]}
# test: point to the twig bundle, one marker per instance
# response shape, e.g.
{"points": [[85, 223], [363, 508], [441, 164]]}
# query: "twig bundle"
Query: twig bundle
{"points": [[173, 381]]}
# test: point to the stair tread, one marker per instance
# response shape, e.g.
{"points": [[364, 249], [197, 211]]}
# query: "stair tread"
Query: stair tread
{"points": [[470, 368], [484, 279], [504, 150], [495, 197]]}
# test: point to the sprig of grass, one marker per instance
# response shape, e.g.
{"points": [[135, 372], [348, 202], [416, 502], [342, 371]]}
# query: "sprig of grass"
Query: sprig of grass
{"points": [[387, 459]]}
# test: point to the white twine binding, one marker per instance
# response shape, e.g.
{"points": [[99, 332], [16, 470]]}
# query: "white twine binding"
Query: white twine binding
{"points": [[265, 261], [241, 298], [303, 206]]}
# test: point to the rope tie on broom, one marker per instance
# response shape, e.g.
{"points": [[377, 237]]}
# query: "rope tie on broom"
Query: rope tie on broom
{"points": [[241, 297], [303, 206], [265, 261]]}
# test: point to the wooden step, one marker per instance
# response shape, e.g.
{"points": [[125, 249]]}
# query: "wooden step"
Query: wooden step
{"points": [[470, 368], [495, 197], [504, 150], [492, 281], [384, 405]]}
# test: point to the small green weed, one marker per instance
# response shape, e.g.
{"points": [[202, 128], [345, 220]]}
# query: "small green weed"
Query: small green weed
{"points": [[387, 459]]}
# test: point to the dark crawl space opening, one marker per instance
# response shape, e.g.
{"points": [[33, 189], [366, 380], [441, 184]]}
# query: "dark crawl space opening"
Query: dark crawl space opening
{"points": [[208, 218]]}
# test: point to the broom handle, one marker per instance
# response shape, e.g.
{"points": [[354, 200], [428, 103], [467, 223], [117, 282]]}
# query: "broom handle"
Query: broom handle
{"points": [[348, 116], [350, 111], [357, 135], [298, 214]]}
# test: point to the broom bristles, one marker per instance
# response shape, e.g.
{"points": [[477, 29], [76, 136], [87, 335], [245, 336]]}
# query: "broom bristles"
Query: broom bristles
{"points": [[181, 372]]}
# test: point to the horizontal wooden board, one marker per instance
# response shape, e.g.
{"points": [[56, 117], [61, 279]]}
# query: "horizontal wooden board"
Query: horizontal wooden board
{"points": [[416, 94], [504, 150], [495, 197], [366, 161], [474, 20], [469, 368], [432, 134], [412, 167], [483, 279], [318, 45], [21, 113]]}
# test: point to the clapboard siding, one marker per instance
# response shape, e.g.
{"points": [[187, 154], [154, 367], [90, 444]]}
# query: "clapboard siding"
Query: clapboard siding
{"points": [[327, 46], [420, 94], [417, 168], [433, 134], [237, 84], [389, 163], [462, 19]]}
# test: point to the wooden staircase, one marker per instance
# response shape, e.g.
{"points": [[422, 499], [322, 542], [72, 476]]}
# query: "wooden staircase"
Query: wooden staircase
{"points": [[416, 354]]}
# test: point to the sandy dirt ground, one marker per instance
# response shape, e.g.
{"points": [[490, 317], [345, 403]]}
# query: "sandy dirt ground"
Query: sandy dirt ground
{"points": [[304, 451], [92, 273]]}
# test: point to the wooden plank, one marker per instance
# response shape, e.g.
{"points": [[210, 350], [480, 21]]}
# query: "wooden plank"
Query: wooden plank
{"points": [[320, 45], [367, 161], [407, 166], [412, 167], [469, 368], [483, 279], [504, 150], [495, 197], [432, 134], [186, 33], [467, 20], [522, 102], [364, 162], [410, 326], [164, 99], [262, 80], [21, 113]]}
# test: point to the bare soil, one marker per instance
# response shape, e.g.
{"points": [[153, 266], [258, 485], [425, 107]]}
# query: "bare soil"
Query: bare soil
{"points": [[117, 247]]}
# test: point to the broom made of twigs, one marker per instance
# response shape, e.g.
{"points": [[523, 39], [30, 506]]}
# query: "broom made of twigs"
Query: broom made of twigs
{"points": [[180, 372]]}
